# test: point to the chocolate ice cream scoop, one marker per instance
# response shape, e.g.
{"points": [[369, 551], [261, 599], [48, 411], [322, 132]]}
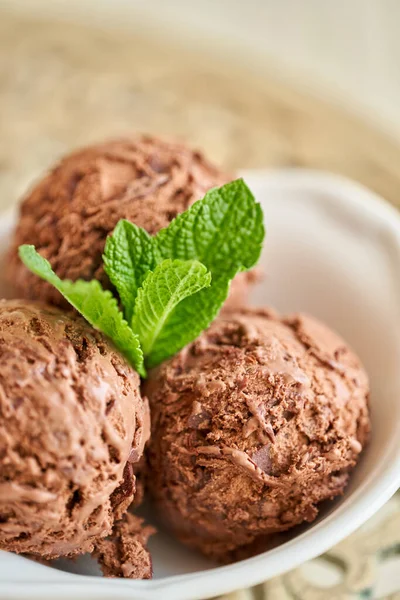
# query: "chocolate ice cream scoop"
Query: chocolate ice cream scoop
{"points": [[70, 212], [72, 424], [253, 425]]}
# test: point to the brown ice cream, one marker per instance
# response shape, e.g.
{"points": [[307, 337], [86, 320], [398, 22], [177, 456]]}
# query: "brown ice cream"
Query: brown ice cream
{"points": [[253, 425], [72, 425], [125, 553], [70, 212]]}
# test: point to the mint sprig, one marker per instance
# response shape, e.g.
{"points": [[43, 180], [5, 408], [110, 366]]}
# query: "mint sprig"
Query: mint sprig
{"points": [[171, 286], [225, 231]]}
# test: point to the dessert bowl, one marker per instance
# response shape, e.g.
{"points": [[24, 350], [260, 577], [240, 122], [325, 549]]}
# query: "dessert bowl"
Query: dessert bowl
{"points": [[332, 250]]}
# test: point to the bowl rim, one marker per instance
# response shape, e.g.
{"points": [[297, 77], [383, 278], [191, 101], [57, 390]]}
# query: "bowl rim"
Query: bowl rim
{"points": [[369, 497]]}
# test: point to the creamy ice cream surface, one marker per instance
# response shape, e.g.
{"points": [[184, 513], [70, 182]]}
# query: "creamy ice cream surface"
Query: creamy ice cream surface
{"points": [[125, 553], [69, 213], [253, 425], [72, 425]]}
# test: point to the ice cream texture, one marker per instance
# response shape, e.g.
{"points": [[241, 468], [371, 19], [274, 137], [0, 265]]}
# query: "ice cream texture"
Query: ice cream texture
{"points": [[72, 425], [125, 553], [254, 425], [69, 213]]}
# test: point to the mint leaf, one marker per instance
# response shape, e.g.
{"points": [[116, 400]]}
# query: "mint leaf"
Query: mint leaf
{"points": [[128, 256], [171, 282], [98, 306], [188, 320], [224, 231]]}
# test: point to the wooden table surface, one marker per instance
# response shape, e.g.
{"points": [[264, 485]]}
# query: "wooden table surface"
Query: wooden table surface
{"points": [[62, 86]]}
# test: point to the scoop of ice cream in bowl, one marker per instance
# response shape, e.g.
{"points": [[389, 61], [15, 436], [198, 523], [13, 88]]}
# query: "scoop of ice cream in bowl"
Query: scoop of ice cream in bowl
{"points": [[270, 435], [73, 424], [254, 425], [69, 213]]}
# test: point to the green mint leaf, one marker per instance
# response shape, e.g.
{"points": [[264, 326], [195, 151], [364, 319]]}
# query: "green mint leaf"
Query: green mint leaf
{"points": [[128, 256], [224, 231], [192, 316], [98, 306], [163, 290]]}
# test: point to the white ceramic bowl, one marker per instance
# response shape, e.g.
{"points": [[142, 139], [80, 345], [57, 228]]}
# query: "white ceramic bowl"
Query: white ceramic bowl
{"points": [[333, 250]]}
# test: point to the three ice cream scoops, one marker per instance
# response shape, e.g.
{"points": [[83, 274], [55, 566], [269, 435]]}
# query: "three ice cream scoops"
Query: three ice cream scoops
{"points": [[254, 419]]}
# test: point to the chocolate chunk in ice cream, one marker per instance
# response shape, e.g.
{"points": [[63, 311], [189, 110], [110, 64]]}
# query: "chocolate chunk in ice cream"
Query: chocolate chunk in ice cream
{"points": [[253, 425], [72, 422]]}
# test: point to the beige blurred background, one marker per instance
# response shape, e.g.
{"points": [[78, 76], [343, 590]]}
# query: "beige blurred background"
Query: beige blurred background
{"points": [[254, 83]]}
